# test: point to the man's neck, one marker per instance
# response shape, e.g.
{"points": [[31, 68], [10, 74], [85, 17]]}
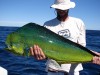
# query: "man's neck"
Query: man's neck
{"points": [[63, 18]]}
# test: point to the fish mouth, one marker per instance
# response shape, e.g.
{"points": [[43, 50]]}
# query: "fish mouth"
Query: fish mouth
{"points": [[7, 49], [12, 51]]}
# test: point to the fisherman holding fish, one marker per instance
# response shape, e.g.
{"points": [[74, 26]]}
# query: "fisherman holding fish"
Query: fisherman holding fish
{"points": [[69, 27]]}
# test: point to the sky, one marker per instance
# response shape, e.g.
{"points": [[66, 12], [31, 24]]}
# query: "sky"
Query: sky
{"points": [[20, 12]]}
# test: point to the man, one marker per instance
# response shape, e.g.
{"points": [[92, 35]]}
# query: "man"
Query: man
{"points": [[68, 27]]}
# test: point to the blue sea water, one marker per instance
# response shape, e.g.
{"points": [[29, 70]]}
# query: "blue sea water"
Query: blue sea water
{"points": [[18, 65]]}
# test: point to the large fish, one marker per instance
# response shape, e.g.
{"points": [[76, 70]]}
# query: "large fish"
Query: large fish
{"points": [[53, 45]]}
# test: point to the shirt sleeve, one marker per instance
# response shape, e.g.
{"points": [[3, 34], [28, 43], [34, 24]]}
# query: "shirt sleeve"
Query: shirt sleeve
{"points": [[82, 35], [46, 25]]}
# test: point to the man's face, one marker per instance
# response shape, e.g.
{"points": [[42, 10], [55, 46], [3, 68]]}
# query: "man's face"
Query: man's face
{"points": [[61, 12]]}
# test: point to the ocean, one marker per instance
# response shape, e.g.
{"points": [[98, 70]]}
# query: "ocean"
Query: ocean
{"points": [[19, 65]]}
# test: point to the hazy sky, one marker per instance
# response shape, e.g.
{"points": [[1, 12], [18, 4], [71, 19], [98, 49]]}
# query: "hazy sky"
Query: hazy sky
{"points": [[20, 12]]}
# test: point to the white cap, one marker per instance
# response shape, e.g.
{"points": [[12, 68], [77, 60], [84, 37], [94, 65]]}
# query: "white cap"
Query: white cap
{"points": [[63, 4]]}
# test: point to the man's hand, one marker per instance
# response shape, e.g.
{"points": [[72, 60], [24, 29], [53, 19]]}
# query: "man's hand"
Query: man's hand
{"points": [[37, 52], [96, 59]]}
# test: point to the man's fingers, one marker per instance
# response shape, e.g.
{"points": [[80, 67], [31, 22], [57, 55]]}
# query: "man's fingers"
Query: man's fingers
{"points": [[31, 51], [37, 52], [42, 54], [96, 60]]}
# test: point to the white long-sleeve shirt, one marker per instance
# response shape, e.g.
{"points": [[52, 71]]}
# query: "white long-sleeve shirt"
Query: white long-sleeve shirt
{"points": [[72, 29]]}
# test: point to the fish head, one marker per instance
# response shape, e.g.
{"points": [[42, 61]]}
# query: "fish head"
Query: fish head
{"points": [[14, 44]]}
